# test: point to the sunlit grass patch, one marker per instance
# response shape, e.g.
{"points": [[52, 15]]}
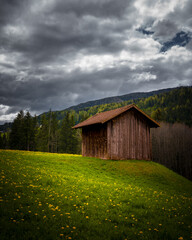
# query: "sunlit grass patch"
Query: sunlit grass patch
{"points": [[63, 196]]}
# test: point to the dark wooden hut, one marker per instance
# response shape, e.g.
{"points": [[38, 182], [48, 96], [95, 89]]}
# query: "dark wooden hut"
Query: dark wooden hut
{"points": [[123, 133]]}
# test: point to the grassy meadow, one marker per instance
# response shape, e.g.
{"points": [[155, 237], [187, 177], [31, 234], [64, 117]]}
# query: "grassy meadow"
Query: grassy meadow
{"points": [[60, 196]]}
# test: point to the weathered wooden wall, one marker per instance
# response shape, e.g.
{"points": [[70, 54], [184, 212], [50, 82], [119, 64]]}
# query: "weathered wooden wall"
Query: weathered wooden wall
{"points": [[172, 147], [128, 137], [94, 141], [124, 137]]}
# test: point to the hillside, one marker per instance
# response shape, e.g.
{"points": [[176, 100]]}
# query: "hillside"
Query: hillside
{"points": [[170, 105], [117, 99], [60, 196]]}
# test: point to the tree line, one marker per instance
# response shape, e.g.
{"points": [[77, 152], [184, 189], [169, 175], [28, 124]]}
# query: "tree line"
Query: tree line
{"points": [[173, 106], [46, 134], [52, 131]]}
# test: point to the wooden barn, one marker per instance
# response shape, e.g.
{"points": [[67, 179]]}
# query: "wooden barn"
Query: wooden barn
{"points": [[123, 133]]}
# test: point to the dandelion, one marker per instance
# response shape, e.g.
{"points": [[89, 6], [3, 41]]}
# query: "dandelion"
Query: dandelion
{"points": [[87, 216], [74, 227], [180, 238], [61, 235], [141, 232]]}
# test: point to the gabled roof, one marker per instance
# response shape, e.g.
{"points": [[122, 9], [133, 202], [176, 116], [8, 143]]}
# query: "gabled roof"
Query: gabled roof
{"points": [[101, 118]]}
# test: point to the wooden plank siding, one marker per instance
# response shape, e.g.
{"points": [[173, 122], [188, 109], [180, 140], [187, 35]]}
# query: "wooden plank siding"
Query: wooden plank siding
{"points": [[126, 136], [94, 142]]}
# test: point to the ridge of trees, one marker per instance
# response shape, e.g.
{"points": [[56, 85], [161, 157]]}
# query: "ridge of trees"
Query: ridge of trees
{"points": [[117, 99], [172, 106], [52, 131]]}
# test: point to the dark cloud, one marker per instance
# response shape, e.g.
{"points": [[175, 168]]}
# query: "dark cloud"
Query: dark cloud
{"points": [[97, 8], [165, 29], [55, 53], [9, 11], [65, 28]]}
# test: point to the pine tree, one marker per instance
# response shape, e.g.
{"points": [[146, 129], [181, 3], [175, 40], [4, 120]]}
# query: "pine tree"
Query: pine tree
{"points": [[54, 133], [68, 139], [30, 127], [1, 141], [42, 135], [28, 130], [17, 135], [5, 141]]}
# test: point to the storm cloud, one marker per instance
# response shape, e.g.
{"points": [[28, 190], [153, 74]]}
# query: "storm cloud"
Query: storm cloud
{"points": [[58, 53]]}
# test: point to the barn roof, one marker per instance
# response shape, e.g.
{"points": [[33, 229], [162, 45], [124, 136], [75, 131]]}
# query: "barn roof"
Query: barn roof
{"points": [[104, 117]]}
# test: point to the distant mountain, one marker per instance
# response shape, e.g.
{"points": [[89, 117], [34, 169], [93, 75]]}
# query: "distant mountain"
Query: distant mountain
{"points": [[117, 99], [169, 105], [163, 101]]}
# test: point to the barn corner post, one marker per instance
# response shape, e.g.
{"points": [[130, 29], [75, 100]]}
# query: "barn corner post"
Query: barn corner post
{"points": [[150, 151]]}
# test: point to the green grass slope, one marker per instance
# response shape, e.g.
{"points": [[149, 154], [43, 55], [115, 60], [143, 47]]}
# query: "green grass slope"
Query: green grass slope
{"points": [[60, 196]]}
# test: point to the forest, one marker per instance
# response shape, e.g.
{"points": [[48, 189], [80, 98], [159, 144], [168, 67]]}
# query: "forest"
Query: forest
{"points": [[46, 135], [52, 131]]}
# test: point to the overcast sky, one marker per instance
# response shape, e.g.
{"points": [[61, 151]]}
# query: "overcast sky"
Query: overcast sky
{"points": [[59, 53]]}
